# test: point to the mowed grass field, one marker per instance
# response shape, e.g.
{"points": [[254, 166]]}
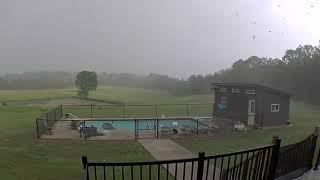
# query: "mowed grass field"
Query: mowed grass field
{"points": [[119, 95], [24, 157], [304, 119]]}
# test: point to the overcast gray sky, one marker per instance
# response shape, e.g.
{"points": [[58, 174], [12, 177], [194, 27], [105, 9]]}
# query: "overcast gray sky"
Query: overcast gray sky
{"points": [[175, 37]]}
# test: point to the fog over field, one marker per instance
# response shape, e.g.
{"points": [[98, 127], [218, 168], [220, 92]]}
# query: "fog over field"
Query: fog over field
{"points": [[178, 38]]}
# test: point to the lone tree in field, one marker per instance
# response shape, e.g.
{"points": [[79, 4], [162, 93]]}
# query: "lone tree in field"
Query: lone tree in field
{"points": [[86, 81]]}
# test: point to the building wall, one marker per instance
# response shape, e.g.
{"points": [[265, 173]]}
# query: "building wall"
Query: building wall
{"points": [[236, 106], [268, 118]]}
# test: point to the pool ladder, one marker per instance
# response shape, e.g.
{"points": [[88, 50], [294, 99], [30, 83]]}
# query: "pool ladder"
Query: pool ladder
{"points": [[70, 114]]}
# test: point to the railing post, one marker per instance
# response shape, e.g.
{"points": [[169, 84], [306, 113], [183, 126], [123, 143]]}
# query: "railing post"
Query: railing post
{"points": [[157, 110], [85, 168], [274, 157], [316, 156], [37, 128], [200, 165]]}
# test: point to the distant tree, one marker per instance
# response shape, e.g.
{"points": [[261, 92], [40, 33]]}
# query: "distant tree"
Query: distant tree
{"points": [[86, 81]]}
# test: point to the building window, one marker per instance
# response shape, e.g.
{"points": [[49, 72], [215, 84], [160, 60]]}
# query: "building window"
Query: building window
{"points": [[223, 89], [235, 90], [250, 91], [275, 107]]}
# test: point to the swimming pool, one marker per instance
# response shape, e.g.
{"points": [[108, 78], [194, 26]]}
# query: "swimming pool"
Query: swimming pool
{"points": [[129, 125]]}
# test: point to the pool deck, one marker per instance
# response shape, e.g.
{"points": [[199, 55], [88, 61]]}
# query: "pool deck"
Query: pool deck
{"points": [[166, 149], [310, 175]]}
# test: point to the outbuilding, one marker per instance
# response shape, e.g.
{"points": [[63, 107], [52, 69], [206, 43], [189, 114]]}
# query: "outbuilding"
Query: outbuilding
{"points": [[251, 104]]}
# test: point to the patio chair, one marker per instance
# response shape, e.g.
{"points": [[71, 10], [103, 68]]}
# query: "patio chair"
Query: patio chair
{"points": [[72, 125], [49, 131]]}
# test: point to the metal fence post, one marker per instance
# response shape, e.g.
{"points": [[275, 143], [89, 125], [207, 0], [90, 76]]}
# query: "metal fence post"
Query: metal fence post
{"points": [[200, 165], [157, 128], [316, 156], [274, 157], [91, 106], [84, 130], [124, 111], [85, 175], [157, 110], [55, 115], [61, 111], [135, 128], [262, 118], [37, 128], [197, 126], [187, 110]]}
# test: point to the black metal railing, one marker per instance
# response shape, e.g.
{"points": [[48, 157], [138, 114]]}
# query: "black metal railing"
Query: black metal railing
{"points": [[298, 156], [252, 164], [124, 128], [140, 110]]}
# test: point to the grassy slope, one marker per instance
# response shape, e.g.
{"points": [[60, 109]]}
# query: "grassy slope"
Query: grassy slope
{"points": [[305, 118]]}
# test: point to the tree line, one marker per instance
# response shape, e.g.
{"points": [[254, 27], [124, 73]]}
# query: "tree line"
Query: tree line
{"points": [[297, 72]]}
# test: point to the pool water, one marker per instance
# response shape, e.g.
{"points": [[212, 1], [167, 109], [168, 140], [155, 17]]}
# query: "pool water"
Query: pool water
{"points": [[144, 124]]}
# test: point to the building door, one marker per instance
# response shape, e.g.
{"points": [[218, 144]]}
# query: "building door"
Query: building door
{"points": [[251, 111]]}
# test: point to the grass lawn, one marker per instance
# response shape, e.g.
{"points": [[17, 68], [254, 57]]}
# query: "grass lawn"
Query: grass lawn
{"points": [[24, 157], [305, 118], [113, 94]]}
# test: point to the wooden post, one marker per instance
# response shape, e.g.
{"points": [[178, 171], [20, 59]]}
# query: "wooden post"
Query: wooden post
{"points": [[316, 155], [274, 157], [200, 165]]}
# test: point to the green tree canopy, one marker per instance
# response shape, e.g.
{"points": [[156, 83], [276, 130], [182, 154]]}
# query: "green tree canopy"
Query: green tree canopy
{"points": [[86, 81]]}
